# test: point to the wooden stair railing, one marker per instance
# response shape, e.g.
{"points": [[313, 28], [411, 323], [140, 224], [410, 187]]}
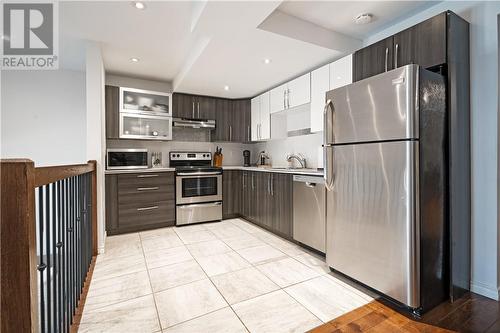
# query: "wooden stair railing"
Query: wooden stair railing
{"points": [[48, 244]]}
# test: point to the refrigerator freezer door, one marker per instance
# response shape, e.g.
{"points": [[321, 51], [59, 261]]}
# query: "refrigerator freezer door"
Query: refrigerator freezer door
{"points": [[372, 233], [379, 108]]}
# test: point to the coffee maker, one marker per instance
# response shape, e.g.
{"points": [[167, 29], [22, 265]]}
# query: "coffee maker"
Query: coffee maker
{"points": [[246, 158]]}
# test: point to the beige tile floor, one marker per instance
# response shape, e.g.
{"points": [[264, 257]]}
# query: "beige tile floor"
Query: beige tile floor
{"points": [[228, 276]]}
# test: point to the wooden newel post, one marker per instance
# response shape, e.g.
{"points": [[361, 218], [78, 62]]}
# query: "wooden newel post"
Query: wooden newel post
{"points": [[18, 286]]}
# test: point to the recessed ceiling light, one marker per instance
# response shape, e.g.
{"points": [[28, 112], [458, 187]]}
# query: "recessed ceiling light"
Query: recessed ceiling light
{"points": [[226, 88], [138, 5], [364, 18], [5, 37], [134, 59], [267, 61]]}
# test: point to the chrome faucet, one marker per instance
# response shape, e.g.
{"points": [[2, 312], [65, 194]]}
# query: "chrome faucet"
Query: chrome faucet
{"points": [[299, 158]]}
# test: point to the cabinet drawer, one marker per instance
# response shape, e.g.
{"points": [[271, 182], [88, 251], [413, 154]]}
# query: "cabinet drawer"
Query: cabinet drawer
{"points": [[140, 214], [129, 182], [152, 194]]}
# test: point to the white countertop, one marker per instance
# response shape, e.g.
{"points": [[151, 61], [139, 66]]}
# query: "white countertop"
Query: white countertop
{"points": [[310, 172], [160, 169]]}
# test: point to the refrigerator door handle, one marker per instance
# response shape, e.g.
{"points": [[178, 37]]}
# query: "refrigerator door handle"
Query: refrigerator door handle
{"points": [[328, 167], [328, 122]]}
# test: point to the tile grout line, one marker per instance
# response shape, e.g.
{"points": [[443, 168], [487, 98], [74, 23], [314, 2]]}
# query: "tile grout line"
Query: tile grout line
{"points": [[151, 286]]}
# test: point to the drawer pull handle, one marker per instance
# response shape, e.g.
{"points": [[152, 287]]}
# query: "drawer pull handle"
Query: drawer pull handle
{"points": [[146, 176], [147, 208], [148, 188]]}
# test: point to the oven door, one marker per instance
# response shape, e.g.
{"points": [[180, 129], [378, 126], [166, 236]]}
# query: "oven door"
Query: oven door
{"points": [[198, 187]]}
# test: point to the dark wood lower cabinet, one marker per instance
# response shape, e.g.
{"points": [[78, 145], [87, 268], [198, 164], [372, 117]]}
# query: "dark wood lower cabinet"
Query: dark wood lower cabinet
{"points": [[266, 200], [231, 193], [139, 201]]}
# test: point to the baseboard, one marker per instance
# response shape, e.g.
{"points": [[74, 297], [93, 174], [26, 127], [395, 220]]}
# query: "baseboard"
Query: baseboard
{"points": [[485, 290]]}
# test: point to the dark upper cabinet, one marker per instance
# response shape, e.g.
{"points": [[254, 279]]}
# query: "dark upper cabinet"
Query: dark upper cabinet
{"points": [[232, 120], [112, 101], [222, 120], [240, 121], [423, 44], [193, 106], [374, 59]]}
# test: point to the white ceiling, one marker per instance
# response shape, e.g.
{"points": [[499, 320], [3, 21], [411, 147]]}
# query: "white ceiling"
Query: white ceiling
{"points": [[339, 15], [203, 46]]}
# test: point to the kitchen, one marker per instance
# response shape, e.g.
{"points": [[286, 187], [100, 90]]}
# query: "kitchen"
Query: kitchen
{"points": [[336, 183]]}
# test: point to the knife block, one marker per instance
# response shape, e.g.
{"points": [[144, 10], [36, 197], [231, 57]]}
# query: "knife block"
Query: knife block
{"points": [[218, 159]]}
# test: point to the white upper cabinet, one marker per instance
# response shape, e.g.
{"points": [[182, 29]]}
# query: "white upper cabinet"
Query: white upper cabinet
{"points": [[320, 84], [341, 72], [261, 118], [265, 117], [299, 91], [326, 78], [278, 98], [255, 118]]}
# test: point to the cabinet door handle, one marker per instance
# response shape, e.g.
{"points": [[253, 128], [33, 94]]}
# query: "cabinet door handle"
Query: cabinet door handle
{"points": [[284, 99], [148, 188], [147, 208], [193, 109], [253, 185], [396, 56], [272, 185], [198, 109], [146, 176], [269, 185], [244, 178], [386, 57], [249, 139], [288, 98]]}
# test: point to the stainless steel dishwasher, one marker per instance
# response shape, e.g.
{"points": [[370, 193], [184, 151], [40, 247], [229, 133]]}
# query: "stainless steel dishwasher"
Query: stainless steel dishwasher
{"points": [[309, 226]]}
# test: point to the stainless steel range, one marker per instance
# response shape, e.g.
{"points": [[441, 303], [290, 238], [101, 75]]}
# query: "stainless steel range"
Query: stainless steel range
{"points": [[198, 187]]}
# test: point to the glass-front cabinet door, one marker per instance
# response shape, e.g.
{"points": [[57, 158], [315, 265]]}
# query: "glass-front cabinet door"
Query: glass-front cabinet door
{"points": [[145, 102], [141, 126]]}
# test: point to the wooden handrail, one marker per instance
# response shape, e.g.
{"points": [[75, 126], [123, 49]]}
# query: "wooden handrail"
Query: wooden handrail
{"points": [[18, 261], [51, 174]]}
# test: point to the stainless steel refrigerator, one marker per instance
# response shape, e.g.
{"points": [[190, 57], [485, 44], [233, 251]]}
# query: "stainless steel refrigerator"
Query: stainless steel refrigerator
{"points": [[385, 174]]}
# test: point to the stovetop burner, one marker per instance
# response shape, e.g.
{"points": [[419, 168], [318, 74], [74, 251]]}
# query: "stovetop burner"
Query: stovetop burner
{"points": [[190, 162]]}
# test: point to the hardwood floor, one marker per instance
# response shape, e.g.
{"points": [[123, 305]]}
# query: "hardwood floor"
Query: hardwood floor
{"points": [[472, 313]]}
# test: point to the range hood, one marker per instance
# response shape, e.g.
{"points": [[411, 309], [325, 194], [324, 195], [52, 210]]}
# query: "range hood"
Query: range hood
{"points": [[194, 123]]}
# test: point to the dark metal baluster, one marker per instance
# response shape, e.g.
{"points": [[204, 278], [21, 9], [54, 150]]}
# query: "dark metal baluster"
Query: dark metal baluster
{"points": [[71, 252], [59, 244], [53, 228], [78, 235], [41, 265], [66, 255], [47, 249]]}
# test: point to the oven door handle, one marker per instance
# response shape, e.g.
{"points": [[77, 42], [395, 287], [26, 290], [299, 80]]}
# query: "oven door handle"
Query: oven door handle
{"points": [[199, 173], [210, 204]]}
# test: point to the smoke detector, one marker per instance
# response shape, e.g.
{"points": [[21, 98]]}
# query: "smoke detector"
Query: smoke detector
{"points": [[363, 18]]}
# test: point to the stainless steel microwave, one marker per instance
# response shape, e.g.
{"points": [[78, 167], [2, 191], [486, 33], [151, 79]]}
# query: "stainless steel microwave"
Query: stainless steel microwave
{"points": [[126, 158]]}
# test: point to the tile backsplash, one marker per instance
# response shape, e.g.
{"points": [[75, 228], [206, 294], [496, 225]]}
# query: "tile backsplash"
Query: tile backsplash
{"points": [[196, 140], [233, 152]]}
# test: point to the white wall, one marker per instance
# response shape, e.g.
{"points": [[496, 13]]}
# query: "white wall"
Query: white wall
{"points": [[484, 82], [43, 116], [130, 82], [96, 137]]}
